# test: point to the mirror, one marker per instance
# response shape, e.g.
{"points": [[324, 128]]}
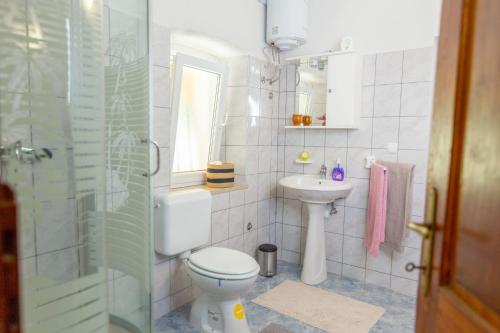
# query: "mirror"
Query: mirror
{"points": [[310, 98]]}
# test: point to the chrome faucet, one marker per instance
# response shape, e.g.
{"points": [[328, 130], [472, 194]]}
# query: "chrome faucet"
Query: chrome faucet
{"points": [[322, 171]]}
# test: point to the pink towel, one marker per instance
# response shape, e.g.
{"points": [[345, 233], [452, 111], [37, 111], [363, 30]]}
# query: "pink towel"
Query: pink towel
{"points": [[377, 209]]}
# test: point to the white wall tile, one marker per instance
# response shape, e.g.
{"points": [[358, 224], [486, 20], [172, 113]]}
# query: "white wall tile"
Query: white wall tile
{"points": [[334, 154], [335, 223], [253, 131], [266, 103], [161, 307], [356, 163], [355, 222], [252, 191], [250, 242], [236, 221], [236, 198], [292, 212], [414, 133], [291, 238], [418, 200], [418, 65], [416, 99], [252, 160], [264, 191], [292, 153], [161, 287], [264, 159], [387, 100], [367, 101], [353, 252], [361, 137], [377, 278], [385, 131], [333, 244], [161, 87], [317, 156], [290, 105], [294, 137], [382, 262], [334, 267], [220, 201], [353, 272], [315, 138], [220, 226], [236, 131], [369, 69], [251, 211], [336, 138], [419, 159], [399, 261], [56, 225], [389, 67], [160, 45], [161, 126], [238, 155], [237, 101], [404, 286], [359, 195]]}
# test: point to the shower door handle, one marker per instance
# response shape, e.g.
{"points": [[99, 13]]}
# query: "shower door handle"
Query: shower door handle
{"points": [[24, 154], [157, 149]]}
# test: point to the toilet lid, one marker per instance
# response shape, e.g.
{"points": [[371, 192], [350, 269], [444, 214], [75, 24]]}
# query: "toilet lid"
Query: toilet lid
{"points": [[223, 261]]}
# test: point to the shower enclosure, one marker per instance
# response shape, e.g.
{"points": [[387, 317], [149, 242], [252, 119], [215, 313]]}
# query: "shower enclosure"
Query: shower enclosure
{"points": [[74, 129]]}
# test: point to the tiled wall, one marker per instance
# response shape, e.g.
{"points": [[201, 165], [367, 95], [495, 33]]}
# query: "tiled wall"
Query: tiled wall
{"points": [[249, 140], [396, 106]]}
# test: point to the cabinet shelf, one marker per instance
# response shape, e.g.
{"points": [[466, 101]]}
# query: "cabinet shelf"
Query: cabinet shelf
{"points": [[317, 127]]}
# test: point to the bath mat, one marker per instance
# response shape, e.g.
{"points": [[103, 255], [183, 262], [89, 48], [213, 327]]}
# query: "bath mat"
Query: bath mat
{"points": [[274, 328], [319, 308]]}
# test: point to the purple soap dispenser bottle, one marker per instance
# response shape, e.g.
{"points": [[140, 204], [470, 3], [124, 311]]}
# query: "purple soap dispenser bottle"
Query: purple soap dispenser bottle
{"points": [[338, 172]]}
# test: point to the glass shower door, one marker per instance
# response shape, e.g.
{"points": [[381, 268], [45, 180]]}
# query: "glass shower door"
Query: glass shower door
{"points": [[72, 130]]}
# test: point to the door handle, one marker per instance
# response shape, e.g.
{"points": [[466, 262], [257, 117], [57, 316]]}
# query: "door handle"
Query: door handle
{"points": [[427, 231], [157, 149], [423, 229], [24, 154]]}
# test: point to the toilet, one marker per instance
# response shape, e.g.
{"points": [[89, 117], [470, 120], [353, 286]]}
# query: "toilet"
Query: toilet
{"points": [[182, 224]]}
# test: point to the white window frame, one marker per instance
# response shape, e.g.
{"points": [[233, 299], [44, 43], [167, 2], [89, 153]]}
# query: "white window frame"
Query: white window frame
{"points": [[183, 179]]}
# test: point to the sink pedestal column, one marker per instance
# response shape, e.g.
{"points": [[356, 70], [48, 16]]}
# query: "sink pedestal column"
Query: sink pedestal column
{"points": [[314, 266]]}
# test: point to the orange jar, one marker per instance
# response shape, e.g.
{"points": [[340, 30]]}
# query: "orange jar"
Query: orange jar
{"points": [[307, 120], [297, 119]]}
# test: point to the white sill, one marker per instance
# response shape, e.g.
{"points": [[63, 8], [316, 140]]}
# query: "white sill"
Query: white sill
{"points": [[236, 187]]}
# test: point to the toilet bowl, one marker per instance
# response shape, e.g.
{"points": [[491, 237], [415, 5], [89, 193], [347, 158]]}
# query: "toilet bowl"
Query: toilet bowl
{"points": [[183, 223], [222, 275]]}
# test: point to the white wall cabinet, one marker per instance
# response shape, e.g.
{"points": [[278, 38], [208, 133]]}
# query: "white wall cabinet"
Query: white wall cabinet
{"points": [[343, 98]]}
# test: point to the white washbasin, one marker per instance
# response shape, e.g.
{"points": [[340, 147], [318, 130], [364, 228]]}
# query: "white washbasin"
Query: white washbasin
{"points": [[313, 189], [316, 192]]}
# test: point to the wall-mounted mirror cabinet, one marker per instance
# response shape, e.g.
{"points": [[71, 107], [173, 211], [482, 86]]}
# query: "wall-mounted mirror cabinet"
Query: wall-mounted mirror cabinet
{"points": [[329, 84]]}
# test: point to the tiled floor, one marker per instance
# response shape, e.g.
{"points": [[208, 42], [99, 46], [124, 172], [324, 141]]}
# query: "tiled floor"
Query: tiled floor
{"points": [[399, 313]]}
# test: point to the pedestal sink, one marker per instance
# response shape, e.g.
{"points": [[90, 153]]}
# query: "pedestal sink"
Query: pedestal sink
{"points": [[316, 193]]}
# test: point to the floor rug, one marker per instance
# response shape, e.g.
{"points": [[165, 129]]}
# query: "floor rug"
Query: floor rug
{"points": [[322, 309]]}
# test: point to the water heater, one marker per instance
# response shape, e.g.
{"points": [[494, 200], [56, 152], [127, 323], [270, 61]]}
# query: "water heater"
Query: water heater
{"points": [[286, 23]]}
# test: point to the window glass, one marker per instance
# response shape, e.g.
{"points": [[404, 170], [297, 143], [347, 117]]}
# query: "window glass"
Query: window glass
{"points": [[198, 104]]}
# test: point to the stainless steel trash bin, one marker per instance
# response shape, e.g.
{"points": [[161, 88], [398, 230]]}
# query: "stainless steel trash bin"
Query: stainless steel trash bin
{"points": [[267, 256]]}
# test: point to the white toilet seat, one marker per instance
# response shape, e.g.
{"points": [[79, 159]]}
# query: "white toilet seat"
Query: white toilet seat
{"points": [[223, 263]]}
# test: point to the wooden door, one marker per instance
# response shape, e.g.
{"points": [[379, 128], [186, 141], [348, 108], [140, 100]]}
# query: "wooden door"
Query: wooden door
{"points": [[9, 276], [464, 168]]}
